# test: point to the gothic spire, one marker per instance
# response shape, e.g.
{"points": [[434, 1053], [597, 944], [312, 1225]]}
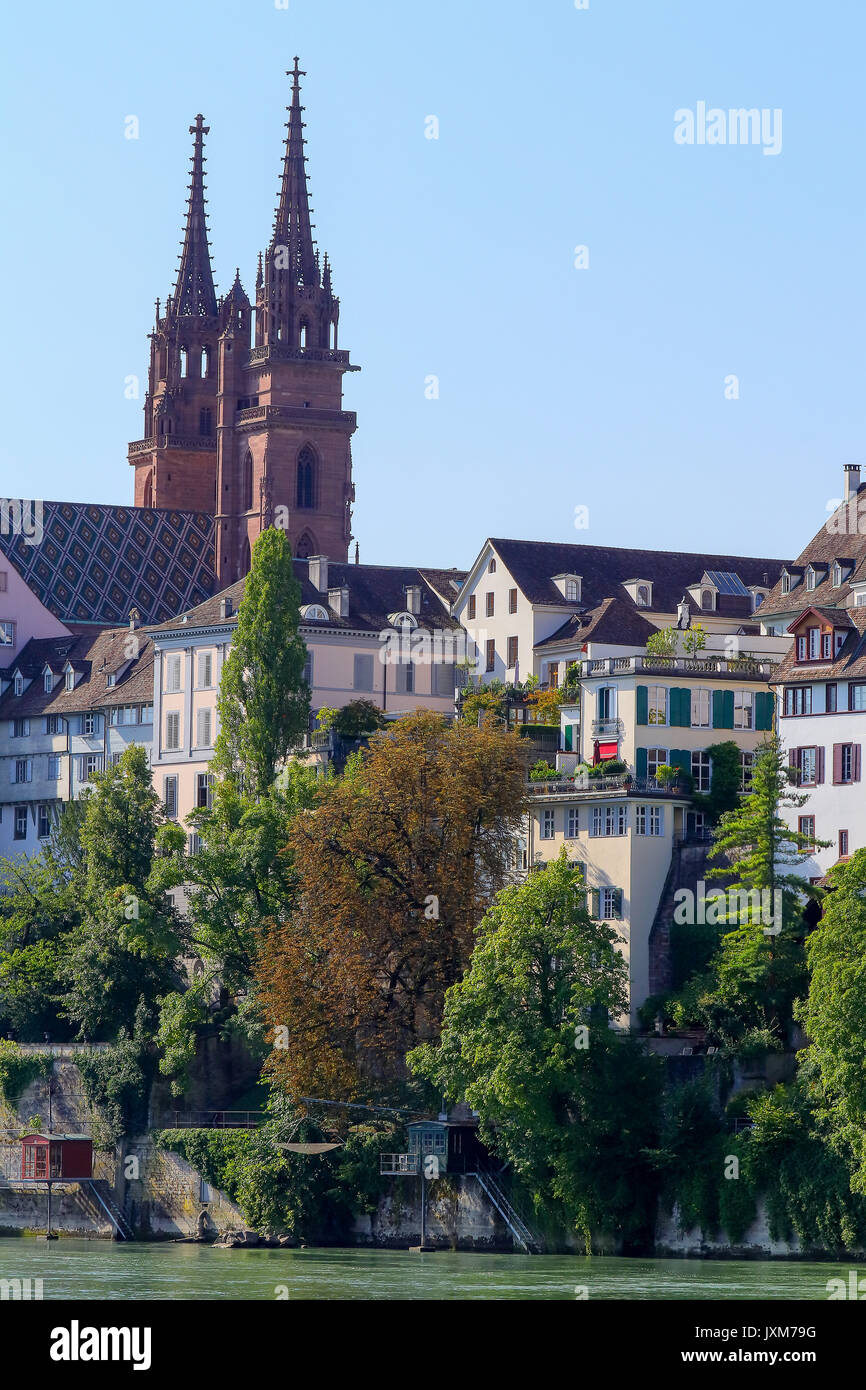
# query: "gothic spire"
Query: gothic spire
{"points": [[195, 296], [292, 226]]}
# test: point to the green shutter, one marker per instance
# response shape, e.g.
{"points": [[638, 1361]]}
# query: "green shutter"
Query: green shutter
{"points": [[723, 709], [681, 709], [618, 903], [681, 758], [640, 762], [764, 710], [595, 900], [642, 704], [569, 730]]}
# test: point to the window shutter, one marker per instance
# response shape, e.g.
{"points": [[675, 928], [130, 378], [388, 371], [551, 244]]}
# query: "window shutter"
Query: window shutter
{"points": [[595, 901], [723, 709], [837, 763], [681, 758], [764, 710], [855, 762], [819, 765], [681, 708], [642, 704], [640, 761], [617, 903]]}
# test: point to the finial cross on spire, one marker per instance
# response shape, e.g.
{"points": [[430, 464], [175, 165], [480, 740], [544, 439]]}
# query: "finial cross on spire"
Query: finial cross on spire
{"points": [[199, 128], [296, 73]]}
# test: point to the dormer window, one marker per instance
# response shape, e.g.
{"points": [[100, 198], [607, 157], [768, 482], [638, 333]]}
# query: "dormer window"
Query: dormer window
{"points": [[402, 620], [571, 590], [837, 575], [786, 582], [315, 613], [570, 586], [642, 596], [758, 599], [18, 683], [111, 679], [48, 682], [70, 679], [708, 600]]}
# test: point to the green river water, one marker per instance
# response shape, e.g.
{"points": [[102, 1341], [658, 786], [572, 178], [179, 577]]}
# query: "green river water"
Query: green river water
{"points": [[81, 1269]]}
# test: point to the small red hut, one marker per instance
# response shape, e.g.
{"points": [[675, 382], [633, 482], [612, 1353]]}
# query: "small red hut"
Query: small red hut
{"points": [[56, 1157]]}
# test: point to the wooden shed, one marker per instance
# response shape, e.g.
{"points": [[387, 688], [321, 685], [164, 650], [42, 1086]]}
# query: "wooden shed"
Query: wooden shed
{"points": [[56, 1157]]}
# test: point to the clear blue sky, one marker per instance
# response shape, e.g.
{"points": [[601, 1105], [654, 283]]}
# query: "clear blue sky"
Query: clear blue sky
{"points": [[558, 387]]}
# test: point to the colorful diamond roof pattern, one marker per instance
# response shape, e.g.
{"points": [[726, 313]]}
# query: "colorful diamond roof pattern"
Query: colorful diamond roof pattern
{"points": [[94, 563]]}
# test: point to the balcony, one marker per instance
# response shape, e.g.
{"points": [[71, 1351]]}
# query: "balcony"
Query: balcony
{"points": [[754, 668], [295, 415], [622, 783], [279, 352], [171, 441], [607, 728]]}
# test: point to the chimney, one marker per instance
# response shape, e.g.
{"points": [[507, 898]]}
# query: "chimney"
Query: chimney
{"points": [[319, 572], [225, 607], [134, 619], [413, 598], [851, 473], [338, 599], [684, 613]]}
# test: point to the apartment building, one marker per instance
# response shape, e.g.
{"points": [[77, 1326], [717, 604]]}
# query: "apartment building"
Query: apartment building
{"points": [[820, 603], [375, 632], [69, 706], [532, 607], [659, 716]]}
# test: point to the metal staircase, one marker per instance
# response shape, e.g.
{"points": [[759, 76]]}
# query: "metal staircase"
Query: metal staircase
{"points": [[103, 1194], [516, 1225]]}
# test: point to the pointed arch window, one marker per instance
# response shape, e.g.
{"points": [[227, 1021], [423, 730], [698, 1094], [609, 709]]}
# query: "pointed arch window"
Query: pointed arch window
{"points": [[148, 489], [247, 496], [245, 557], [205, 361], [306, 478], [304, 334], [306, 547], [184, 362]]}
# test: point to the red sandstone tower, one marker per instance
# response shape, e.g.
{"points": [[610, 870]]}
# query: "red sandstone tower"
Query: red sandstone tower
{"points": [[257, 437]]}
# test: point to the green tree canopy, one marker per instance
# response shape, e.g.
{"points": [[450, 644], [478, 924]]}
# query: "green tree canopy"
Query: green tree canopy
{"points": [[264, 701], [525, 1040]]}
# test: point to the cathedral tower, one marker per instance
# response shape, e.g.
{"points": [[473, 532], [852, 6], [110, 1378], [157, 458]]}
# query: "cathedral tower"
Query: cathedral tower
{"points": [[175, 463], [283, 439]]}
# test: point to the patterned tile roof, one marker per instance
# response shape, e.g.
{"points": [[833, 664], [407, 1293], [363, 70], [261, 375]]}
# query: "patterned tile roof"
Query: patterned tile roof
{"points": [[94, 563]]}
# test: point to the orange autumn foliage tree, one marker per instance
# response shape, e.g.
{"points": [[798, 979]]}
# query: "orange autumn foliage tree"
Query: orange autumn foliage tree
{"points": [[397, 866]]}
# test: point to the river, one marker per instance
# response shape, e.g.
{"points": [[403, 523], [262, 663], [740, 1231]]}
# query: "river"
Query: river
{"points": [[82, 1269]]}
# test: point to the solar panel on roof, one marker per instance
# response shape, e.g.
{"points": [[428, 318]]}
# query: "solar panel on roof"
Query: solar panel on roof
{"points": [[728, 583]]}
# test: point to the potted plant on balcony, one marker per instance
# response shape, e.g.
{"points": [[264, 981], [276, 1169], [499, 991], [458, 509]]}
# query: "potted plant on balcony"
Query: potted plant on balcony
{"points": [[543, 772], [667, 776]]}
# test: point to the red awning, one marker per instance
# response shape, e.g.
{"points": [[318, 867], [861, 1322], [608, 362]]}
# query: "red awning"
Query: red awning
{"points": [[606, 750]]}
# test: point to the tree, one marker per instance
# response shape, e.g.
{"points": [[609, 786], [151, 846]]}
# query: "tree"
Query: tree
{"points": [[396, 865], [264, 701], [124, 946], [746, 999], [526, 1042], [664, 642], [834, 1014], [694, 639], [358, 719], [726, 783]]}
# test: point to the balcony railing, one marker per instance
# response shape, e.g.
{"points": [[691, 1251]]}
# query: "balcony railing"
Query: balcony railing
{"points": [[607, 728], [630, 786], [295, 415], [754, 667]]}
